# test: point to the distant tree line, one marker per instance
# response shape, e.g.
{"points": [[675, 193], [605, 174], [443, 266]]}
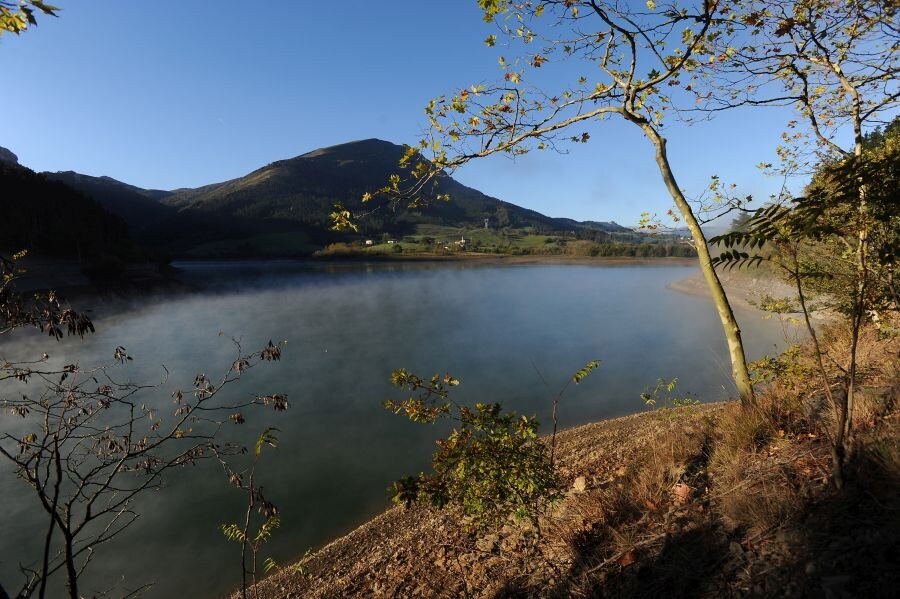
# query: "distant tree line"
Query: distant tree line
{"points": [[633, 250]]}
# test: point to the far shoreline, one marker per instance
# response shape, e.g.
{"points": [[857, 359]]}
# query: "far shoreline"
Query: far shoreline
{"points": [[46, 274], [486, 259]]}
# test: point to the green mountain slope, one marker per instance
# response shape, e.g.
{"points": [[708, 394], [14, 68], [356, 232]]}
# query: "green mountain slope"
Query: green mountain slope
{"points": [[283, 209], [305, 188]]}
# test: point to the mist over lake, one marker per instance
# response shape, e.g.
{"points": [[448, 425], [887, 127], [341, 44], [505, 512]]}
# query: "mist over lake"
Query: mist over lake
{"points": [[499, 329]]}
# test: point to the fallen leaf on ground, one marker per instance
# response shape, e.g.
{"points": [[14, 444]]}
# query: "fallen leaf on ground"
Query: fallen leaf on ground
{"points": [[681, 493], [626, 559]]}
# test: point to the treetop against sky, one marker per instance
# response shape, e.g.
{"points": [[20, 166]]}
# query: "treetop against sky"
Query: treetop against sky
{"points": [[180, 94]]}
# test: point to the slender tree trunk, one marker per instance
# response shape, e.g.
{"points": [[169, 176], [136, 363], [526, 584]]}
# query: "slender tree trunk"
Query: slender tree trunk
{"points": [[244, 554], [862, 275], [66, 530], [845, 426], [553, 437], [45, 566], [246, 540], [795, 274], [71, 572], [739, 371], [837, 446]]}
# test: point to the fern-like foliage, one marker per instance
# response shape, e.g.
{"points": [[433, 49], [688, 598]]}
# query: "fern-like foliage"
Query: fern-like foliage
{"points": [[233, 532], [266, 529]]}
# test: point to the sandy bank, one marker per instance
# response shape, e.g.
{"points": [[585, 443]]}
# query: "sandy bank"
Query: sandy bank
{"points": [[744, 290]]}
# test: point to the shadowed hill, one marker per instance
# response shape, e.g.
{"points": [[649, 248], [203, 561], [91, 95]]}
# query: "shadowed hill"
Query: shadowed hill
{"points": [[172, 231], [8, 157], [140, 208], [50, 218]]}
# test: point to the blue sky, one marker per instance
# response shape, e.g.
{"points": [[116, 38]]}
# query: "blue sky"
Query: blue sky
{"points": [[168, 94]]}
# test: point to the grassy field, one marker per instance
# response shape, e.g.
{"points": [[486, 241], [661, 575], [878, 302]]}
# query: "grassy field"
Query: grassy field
{"points": [[436, 240], [480, 237]]}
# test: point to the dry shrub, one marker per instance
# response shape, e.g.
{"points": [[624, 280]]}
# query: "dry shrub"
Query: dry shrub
{"points": [[671, 458], [766, 462], [878, 469], [644, 491], [794, 400], [754, 488], [742, 431], [869, 407], [879, 367]]}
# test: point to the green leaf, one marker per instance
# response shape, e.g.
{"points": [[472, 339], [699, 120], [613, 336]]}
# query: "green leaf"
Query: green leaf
{"points": [[266, 438], [584, 372], [269, 564], [265, 531], [233, 532]]}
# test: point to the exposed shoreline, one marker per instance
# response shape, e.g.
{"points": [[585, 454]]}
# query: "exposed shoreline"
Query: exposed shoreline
{"points": [[743, 290], [410, 552], [369, 559]]}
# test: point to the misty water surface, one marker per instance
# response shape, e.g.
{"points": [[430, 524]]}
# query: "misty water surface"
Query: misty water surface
{"points": [[348, 327]]}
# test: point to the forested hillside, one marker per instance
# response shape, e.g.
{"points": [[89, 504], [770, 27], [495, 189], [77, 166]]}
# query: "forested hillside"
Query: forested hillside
{"points": [[50, 218]]}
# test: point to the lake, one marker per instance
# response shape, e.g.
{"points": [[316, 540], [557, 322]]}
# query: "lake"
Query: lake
{"points": [[348, 326]]}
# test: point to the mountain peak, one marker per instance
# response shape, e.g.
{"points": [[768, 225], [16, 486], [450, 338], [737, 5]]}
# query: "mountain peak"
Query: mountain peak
{"points": [[8, 156], [360, 146]]}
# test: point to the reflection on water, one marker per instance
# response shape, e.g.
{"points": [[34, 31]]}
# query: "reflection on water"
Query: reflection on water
{"points": [[348, 326]]}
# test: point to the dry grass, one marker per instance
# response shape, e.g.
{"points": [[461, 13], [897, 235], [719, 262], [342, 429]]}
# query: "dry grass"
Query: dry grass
{"points": [[760, 476], [719, 488]]}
